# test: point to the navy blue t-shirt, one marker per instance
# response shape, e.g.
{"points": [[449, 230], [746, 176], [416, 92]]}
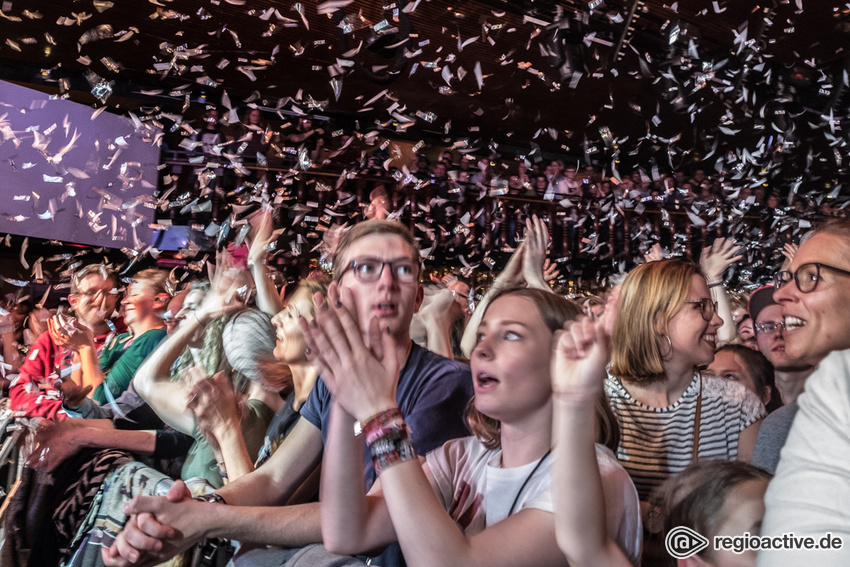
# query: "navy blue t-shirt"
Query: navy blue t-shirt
{"points": [[432, 394]]}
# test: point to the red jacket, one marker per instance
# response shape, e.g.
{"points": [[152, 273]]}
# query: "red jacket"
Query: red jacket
{"points": [[32, 392]]}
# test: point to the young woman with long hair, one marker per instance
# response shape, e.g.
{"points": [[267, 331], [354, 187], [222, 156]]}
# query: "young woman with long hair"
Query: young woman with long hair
{"points": [[480, 500]]}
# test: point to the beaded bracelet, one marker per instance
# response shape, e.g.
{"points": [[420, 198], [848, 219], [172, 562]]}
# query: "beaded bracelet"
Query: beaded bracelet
{"points": [[392, 448]]}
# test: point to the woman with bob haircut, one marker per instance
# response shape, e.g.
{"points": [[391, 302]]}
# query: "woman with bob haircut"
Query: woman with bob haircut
{"points": [[669, 413], [479, 500]]}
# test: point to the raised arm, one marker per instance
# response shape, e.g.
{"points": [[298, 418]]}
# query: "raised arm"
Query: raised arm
{"points": [[427, 533], [268, 298], [218, 412], [153, 378], [578, 372], [524, 267], [714, 261], [509, 277]]}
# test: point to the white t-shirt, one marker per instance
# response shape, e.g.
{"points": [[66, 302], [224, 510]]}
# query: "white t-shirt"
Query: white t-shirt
{"points": [[810, 494], [477, 492]]}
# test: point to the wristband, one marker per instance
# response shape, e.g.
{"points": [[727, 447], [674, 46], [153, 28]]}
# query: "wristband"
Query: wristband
{"points": [[212, 498], [392, 447], [377, 421]]}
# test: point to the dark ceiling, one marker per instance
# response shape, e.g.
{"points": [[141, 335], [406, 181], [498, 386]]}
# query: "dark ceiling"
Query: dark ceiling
{"points": [[758, 89]]}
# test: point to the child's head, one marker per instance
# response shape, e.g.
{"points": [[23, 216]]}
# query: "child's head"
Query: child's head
{"points": [[716, 498]]}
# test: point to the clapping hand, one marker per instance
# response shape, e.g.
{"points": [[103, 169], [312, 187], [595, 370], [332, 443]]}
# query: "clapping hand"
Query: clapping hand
{"points": [[361, 371], [68, 332], [537, 239]]}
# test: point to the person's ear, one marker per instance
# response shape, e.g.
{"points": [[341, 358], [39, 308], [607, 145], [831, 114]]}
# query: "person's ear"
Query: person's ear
{"points": [[768, 394], [420, 296], [72, 300]]}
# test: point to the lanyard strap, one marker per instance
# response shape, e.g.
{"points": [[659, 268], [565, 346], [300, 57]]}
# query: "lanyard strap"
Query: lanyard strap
{"points": [[695, 455]]}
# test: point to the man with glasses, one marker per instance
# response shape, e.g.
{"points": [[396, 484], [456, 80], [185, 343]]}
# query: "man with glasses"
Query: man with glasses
{"points": [[94, 297], [769, 326], [376, 270], [809, 495], [790, 376]]}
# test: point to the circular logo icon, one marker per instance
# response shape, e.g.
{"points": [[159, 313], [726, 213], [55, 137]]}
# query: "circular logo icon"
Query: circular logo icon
{"points": [[682, 542]]}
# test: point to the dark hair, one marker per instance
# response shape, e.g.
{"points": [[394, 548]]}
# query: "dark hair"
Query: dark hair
{"points": [[761, 371], [554, 310], [695, 497]]}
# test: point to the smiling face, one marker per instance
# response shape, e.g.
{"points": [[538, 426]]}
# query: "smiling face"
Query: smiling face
{"points": [[391, 301], [815, 323], [693, 338], [140, 303], [94, 300], [510, 363], [193, 300], [290, 340]]}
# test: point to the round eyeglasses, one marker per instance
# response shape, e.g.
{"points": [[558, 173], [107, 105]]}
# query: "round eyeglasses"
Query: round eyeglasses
{"points": [[806, 277], [707, 307]]}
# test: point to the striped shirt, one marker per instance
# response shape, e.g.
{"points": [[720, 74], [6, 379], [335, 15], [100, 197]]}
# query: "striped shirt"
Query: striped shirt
{"points": [[658, 442]]}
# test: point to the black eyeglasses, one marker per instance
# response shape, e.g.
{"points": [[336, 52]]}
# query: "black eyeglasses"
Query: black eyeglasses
{"points": [[806, 277], [769, 327], [404, 270], [707, 307]]}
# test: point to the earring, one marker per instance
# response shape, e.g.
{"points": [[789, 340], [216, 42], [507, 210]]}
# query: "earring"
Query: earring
{"points": [[669, 342]]}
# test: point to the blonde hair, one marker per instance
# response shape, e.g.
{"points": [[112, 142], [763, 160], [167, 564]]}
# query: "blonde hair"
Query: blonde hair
{"points": [[651, 295], [156, 280]]}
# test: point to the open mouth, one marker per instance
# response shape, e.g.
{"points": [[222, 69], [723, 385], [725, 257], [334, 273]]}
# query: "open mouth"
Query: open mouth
{"points": [[710, 338], [386, 309], [792, 323], [485, 381]]}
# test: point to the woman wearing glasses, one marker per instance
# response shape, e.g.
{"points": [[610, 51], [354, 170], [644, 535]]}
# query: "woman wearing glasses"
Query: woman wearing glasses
{"points": [[670, 414]]}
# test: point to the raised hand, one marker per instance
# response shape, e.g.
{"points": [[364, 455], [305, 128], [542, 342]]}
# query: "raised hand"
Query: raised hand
{"points": [[360, 371], [263, 236], [550, 271], [720, 255], [654, 254], [580, 357], [222, 297], [789, 250], [537, 239]]}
